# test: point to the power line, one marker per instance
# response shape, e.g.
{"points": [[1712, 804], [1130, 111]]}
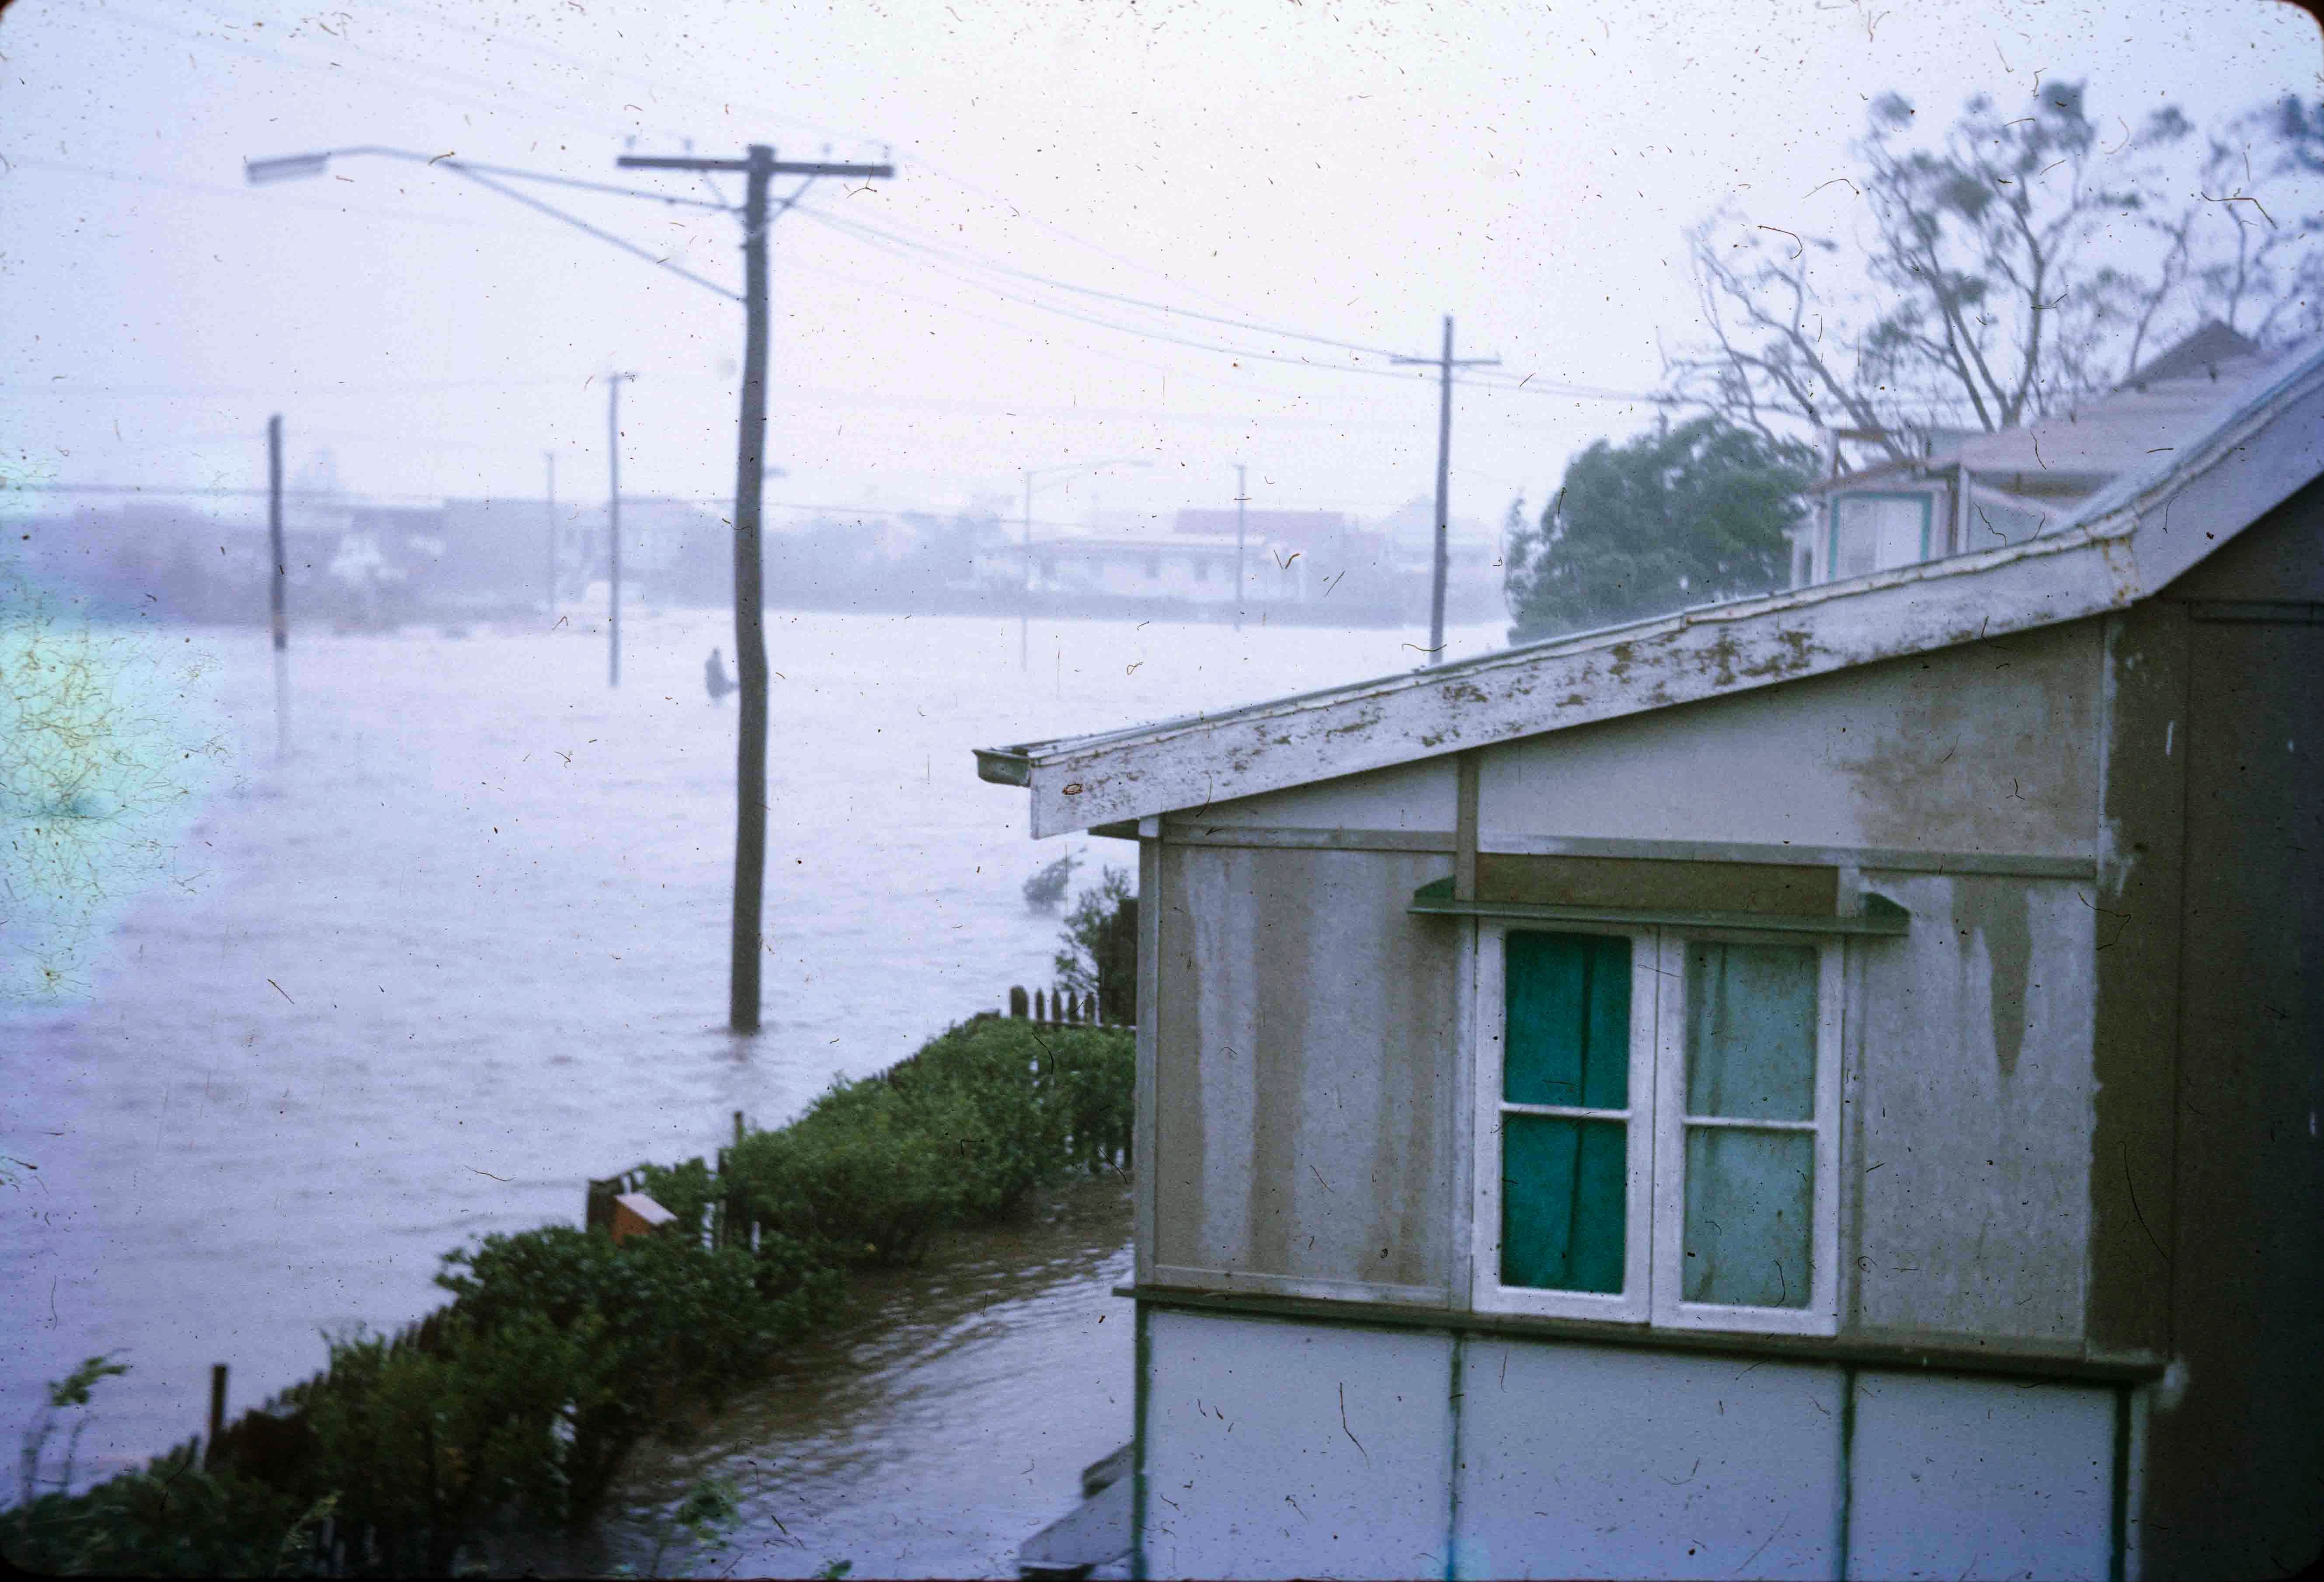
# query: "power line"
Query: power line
{"points": [[339, 387], [1513, 383], [1116, 326], [1000, 268], [1058, 230], [864, 231], [566, 111], [499, 37]]}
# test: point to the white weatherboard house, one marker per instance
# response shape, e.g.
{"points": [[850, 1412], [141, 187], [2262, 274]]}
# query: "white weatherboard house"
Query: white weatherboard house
{"points": [[1820, 1085]]}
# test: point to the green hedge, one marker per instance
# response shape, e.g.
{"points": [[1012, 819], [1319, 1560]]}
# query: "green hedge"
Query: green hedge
{"points": [[981, 1115], [560, 1350]]}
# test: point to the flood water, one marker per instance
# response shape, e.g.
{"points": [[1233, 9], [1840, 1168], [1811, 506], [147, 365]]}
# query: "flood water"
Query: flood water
{"points": [[466, 947], [931, 1434]]}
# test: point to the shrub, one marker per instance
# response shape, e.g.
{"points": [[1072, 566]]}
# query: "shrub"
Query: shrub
{"points": [[560, 1349], [169, 1519], [421, 1446], [983, 1115], [655, 1325]]}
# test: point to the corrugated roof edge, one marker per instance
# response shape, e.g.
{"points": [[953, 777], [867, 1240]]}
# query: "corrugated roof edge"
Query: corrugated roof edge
{"points": [[2113, 513]]}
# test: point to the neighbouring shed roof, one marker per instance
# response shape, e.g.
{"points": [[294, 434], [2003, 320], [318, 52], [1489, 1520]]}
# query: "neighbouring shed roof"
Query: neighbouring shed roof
{"points": [[2151, 524]]}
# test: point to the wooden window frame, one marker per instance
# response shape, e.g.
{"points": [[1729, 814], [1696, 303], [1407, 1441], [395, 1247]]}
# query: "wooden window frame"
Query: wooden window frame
{"points": [[1654, 1199]]}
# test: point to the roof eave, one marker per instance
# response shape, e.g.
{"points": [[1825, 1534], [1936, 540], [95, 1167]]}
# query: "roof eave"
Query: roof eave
{"points": [[2120, 547]]}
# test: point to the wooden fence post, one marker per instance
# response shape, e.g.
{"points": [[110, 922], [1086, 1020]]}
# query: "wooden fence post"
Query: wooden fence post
{"points": [[598, 1215], [217, 1414]]}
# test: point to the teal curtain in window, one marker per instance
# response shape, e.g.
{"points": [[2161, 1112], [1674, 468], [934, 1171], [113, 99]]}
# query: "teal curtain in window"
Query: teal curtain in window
{"points": [[1566, 1041], [1567, 1038], [1751, 1056], [1561, 1202]]}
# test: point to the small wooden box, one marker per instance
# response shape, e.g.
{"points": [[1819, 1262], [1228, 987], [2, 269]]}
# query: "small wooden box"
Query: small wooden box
{"points": [[635, 1214]]}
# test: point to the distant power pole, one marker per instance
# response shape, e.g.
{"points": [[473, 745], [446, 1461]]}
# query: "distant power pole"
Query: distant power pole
{"points": [[1445, 363], [759, 168], [281, 618], [614, 383], [550, 458], [1242, 497]]}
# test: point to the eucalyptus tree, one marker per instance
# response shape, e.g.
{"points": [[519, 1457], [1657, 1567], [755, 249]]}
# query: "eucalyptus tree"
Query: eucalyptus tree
{"points": [[2003, 268]]}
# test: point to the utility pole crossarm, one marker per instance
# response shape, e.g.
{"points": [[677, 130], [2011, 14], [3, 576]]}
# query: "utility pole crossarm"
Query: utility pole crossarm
{"points": [[775, 168]]}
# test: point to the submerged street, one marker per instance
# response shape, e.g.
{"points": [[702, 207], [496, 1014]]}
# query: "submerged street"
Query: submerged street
{"points": [[467, 948]]}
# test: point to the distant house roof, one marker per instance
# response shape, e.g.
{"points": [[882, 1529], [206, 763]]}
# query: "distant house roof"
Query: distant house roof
{"points": [[1284, 527], [1088, 545], [2202, 355], [2076, 450], [2216, 477]]}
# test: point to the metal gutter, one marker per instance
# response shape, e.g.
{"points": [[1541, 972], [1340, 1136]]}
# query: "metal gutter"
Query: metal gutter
{"points": [[1004, 765]]}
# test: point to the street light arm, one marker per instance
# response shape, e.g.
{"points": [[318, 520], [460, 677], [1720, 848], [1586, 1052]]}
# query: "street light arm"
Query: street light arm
{"points": [[291, 167]]}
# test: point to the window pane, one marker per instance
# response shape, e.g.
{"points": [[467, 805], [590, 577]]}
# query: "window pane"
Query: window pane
{"points": [[1568, 1028], [1751, 1030], [1878, 533], [1747, 1217], [1562, 1202]]}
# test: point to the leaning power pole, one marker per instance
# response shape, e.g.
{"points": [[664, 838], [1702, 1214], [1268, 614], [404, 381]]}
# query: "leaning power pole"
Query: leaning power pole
{"points": [[759, 168], [1445, 363]]}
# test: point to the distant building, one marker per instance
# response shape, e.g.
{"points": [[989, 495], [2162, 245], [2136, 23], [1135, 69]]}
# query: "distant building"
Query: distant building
{"points": [[1984, 491], [673, 551], [1162, 570], [1472, 582], [1322, 534]]}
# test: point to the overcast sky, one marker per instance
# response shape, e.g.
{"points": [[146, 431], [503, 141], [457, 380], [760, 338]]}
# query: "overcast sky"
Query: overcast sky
{"points": [[1352, 170]]}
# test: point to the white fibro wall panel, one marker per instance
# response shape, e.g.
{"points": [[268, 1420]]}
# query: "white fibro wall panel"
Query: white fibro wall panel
{"points": [[1275, 1449], [1957, 1478], [1597, 1461]]}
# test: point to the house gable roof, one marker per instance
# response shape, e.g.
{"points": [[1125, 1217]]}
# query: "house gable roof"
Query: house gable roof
{"points": [[2078, 449], [2204, 354], [2121, 545]]}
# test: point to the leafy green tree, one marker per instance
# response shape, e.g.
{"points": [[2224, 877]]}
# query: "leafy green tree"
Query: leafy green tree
{"points": [[1676, 516], [1098, 950]]}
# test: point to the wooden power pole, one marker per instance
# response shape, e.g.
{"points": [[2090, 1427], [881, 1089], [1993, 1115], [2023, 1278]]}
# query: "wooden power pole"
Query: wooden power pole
{"points": [[281, 616], [614, 383], [759, 168], [1445, 363]]}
